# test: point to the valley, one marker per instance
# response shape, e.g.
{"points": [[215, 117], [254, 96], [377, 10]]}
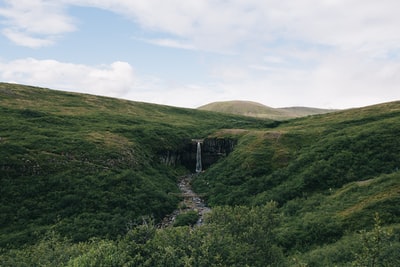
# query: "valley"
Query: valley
{"points": [[95, 181]]}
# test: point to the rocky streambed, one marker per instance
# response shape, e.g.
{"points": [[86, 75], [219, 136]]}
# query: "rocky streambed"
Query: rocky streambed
{"points": [[191, 202]]}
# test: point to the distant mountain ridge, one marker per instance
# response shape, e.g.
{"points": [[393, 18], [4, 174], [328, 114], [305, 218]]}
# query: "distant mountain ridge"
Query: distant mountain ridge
{"points": [[258, 110]]}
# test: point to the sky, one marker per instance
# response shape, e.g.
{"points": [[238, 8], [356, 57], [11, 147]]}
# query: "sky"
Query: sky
{"points": [[315, 53]]}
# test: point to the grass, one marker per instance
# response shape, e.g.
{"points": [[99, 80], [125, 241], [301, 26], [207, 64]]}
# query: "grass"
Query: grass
{"points": [[88, 166], [329, 173], [254, 109]]}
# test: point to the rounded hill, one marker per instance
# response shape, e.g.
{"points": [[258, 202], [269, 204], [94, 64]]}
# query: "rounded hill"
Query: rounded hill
{"points": [[258, 110]]}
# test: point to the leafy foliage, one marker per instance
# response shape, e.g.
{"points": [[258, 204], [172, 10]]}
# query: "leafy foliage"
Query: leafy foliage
{"points": [[89, 165], [188, 218], [78, 172], [291, 161], [237, 236], [376, 246]]}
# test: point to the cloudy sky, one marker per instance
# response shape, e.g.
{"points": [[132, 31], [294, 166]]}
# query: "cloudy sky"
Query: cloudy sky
{"points": [[319, 53]]}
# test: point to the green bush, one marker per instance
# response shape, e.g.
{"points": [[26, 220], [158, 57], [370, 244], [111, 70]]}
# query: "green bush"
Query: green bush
{"points": [[188, 218]]}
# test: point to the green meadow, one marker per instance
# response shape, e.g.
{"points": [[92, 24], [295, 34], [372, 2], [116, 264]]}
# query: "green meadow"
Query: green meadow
{"points": [[82, 184]]}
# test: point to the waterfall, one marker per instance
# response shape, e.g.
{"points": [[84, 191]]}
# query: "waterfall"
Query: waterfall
{"points": [[198, 157]]}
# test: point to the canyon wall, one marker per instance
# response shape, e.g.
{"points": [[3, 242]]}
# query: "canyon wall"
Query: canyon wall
{"points": [[212, 149]]}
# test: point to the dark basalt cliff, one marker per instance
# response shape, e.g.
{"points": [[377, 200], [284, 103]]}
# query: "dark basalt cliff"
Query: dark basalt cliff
{"points": [[212, 149]]}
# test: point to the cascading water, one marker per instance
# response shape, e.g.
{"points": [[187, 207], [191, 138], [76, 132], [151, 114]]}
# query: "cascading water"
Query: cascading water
{"points": [[191, 200], [198, 158]]}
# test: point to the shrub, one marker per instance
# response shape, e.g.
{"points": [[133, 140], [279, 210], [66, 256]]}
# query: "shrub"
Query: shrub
{"points": [[187, 218]]}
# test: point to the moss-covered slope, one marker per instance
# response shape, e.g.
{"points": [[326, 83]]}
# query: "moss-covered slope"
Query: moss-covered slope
{"points": [[89, 165], [303, 191]]}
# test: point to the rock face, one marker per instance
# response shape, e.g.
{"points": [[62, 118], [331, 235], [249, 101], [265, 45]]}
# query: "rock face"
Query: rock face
{"points": [[215, 148], [212, 149]]}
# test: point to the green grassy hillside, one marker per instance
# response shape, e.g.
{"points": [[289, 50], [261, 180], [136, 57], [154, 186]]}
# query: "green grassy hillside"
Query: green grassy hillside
{"points": [[295, 112], [254, 109], [79, 172], [328, 173], [311, 154], [89, 165]]}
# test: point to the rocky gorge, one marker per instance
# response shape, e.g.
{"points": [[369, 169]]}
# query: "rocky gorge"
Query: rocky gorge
{"points": [[212, 149]]}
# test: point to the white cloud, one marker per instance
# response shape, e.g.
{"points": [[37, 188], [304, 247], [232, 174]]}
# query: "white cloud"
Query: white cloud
{"points": [[24, 39], [34, 23], [274, 59], [346, 24], [222, 25], [353, 78], [173, 43], [113, 80], [180, 95], [340, 80], [230, 73], [309, 52]]}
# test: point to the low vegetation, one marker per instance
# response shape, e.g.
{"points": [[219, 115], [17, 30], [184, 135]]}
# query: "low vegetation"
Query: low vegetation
{"points": [[88, 166], [257, 110], [81, 184], [188, 218]]}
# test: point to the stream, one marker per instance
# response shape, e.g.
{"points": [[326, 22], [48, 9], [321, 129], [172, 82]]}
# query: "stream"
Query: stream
{"points": [[191, 202]]}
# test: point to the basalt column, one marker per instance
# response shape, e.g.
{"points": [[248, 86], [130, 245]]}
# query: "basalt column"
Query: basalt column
{"points": [[211, 150], [214, 149], [198, 154]]}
